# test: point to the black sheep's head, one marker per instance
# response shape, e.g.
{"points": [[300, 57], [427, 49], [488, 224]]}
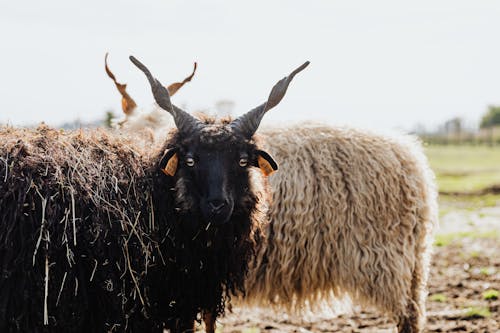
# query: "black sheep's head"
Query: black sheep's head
{"points": [[211, 161]]}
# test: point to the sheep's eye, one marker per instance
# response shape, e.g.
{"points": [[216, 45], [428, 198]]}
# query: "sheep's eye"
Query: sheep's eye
{"points": [[243, 162], [189, 161]]}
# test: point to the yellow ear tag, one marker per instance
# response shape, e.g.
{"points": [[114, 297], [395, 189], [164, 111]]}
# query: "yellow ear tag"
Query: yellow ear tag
{"points": [[265, 166], [171, 167]]}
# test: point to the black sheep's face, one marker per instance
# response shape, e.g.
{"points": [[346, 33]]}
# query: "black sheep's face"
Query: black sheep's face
{"points": [[211, 170], [210, 160]]}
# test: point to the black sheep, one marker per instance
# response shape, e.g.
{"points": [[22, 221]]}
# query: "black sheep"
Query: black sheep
{"points": [[95, 237]]}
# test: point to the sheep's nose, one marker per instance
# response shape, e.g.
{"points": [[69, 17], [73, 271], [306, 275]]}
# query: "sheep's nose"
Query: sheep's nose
{"points": [[216, 205]]}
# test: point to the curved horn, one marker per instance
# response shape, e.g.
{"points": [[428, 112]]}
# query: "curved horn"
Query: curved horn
{"points": [[128, 104], [174, 87], [248, 123], [183, 120]]}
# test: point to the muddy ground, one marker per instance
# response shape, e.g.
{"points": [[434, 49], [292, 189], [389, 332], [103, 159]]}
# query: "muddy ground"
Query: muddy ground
{"points": [[465, 267]]}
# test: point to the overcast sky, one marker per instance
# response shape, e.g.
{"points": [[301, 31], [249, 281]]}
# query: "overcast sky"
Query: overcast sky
{"points": [[377, 64]]}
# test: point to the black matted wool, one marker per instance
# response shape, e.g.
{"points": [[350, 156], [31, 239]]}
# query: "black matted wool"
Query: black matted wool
{"points": [[90, 242]]}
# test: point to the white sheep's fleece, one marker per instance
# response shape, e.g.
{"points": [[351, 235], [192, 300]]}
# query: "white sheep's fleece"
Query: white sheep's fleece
{"points": [[352, 213], [149, 125]]}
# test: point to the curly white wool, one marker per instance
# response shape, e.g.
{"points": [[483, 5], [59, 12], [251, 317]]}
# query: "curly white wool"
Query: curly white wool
{"points": [[352, 214]]}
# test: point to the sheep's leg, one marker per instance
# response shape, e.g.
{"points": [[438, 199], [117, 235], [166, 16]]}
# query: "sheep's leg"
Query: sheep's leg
{"points": [[181, 326], [209, 319], [414, 318], [409, 323], [186, 326]]}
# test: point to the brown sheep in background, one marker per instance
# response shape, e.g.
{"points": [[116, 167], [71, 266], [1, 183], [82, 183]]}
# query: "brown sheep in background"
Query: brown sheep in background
{"points": [[148, 125]]}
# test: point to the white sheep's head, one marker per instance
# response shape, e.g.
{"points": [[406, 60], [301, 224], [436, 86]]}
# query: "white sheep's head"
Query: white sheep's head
{"points": [[129, 106]]}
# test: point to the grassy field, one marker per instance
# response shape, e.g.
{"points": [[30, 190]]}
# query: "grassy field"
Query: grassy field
{"points": [[465, 169], [462, 173]]}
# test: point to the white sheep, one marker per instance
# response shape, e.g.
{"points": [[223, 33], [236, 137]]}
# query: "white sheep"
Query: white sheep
{"points": [[352, 214], [144, 123]]}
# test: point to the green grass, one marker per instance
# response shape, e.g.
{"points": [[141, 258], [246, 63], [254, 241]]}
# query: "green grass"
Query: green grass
{"points": [[487, 271], [251, 330], [477, 312], [465, 168], [446, 239], [469, 202], [475, 254], [441, 298], [491, 294]]}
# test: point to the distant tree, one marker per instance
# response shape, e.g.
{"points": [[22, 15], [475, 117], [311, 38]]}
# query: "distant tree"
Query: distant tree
{"points": [[491, 118], [108, 119], [419, 129], [453, 126]]}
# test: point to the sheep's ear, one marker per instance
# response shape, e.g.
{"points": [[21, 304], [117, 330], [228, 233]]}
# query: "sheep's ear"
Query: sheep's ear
{"points": [[174, 87], [128, 103], [169, 161], [265, 163]]}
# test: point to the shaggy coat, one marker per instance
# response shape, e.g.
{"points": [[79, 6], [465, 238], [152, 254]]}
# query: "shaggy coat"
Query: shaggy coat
{"points": [[95, 238], [147, 126], [208, 263], [353, 213]]}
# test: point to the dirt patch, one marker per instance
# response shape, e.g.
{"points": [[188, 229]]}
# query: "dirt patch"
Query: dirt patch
{"points": [[461, 273], [474, 221]]}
